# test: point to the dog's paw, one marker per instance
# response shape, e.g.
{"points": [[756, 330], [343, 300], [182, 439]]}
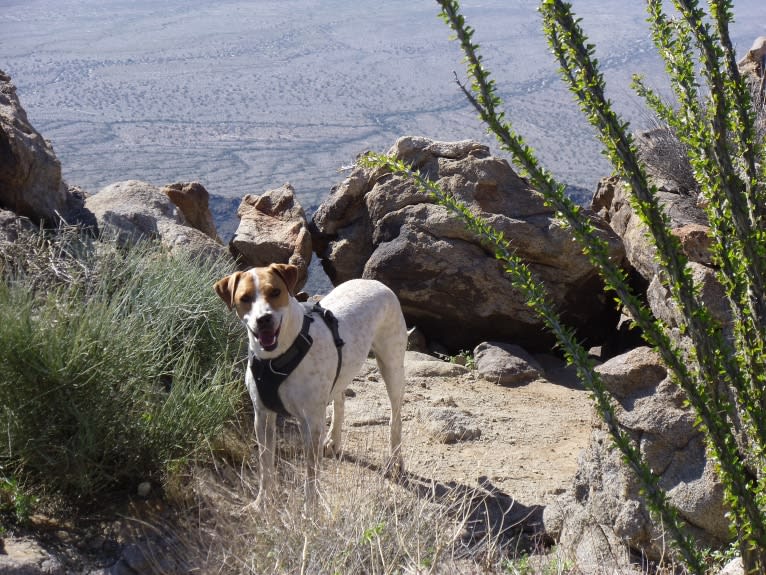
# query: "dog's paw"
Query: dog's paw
{"points": [[394, 468], [260, 504], [331, 449]]}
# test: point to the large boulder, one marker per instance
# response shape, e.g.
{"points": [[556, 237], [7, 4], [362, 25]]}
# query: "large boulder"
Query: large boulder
{"points": [[134, 211], [30, 173], [605, 492], [377, 225], [273, 228]]}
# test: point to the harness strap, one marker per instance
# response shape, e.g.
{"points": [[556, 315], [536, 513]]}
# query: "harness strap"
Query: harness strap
{"points": [[332, 322], [269, 374]]}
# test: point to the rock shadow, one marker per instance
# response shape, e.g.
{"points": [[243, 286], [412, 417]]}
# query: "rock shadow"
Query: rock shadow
{"points": [[487, 514]]}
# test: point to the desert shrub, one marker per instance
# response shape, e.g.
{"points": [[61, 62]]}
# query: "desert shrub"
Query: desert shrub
{"points": [[114, 362], [723, 380]]}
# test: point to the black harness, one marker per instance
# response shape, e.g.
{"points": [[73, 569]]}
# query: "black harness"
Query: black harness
{"points": [[269, 374]]}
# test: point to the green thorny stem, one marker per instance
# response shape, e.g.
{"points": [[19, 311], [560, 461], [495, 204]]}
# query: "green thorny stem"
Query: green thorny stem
{"points": [[691, 126], [714, 356], [716, 359], [733, 155], [537, 299]]}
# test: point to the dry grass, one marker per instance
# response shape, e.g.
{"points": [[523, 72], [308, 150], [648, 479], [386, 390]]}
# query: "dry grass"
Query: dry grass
{"points": [[364, 523]]}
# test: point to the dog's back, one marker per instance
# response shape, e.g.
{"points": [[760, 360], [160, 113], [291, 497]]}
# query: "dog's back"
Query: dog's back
{"points": [[369, 316]]}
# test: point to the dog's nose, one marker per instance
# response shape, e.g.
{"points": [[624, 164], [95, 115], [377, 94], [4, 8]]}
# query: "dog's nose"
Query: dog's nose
{"points": [[265, 320]]}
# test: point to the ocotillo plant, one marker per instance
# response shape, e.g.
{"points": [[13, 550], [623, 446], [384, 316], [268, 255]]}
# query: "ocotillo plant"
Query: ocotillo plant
{"points": [[723, 380]]}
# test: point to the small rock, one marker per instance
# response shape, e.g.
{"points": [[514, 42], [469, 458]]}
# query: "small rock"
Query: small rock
{"points": [[416, 340], [144, 488], [461, 359], [136, 558], [733, 567], [505, 364], [192, 199], [450, 426], [273, 228], [433, 368], [27, 557]]}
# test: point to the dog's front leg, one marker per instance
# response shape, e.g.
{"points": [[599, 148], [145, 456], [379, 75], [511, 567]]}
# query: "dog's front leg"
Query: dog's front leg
{"points": [[265, 435], [313, 427]]}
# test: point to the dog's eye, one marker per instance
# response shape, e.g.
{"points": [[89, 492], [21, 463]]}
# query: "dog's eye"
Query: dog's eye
{"points": [[274, 293], [246, 299]]}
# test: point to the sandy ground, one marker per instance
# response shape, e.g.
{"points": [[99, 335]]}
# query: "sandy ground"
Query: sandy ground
{"points": [[529, 436]]}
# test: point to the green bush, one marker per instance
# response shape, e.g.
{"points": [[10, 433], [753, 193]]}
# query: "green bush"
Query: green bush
{"points": [[114, 363]]}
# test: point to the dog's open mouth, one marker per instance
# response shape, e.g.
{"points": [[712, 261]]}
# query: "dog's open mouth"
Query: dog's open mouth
{"points": [[268, 338]]}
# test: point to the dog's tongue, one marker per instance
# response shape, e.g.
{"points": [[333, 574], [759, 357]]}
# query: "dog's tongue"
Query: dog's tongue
{"points": [[267, 339]]}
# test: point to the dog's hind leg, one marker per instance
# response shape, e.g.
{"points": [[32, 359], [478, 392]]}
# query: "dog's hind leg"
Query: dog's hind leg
{"points": [[312, 428], [391, 364]]}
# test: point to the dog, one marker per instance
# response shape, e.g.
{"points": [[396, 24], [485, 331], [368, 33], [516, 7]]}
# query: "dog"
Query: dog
{"points": [[356, 317]]}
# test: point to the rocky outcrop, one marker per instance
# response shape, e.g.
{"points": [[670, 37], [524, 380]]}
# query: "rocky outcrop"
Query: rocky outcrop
{"points": [[376, 225], [687, 221], [273, 228], [192, 199], [611, 201], [135, 211], [30, 173], [605, 494]]}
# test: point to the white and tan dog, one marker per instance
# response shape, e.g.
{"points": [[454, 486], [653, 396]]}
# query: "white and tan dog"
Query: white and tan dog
{"points": [[369, 318]]}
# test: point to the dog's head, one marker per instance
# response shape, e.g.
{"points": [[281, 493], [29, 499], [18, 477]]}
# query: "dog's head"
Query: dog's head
{"points": [[260, 296]]}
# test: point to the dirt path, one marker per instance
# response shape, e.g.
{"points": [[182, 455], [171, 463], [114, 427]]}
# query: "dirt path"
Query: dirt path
{"points": [[529, 437]]}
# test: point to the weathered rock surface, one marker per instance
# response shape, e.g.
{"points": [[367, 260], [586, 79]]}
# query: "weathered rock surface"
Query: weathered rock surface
{"points": [[733, 567], [611, 202], [421, 365], [605, 492], [27, 557], [135, 211], [711, 292], [376, 225], [273, 228], [753, 62], [688, 222], [30, 173], [12, 226], [192, 199], [695, 243]]}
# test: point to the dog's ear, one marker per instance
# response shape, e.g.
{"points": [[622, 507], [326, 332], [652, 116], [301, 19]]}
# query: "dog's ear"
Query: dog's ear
{"points": [[226, 287], [289, 275]]}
